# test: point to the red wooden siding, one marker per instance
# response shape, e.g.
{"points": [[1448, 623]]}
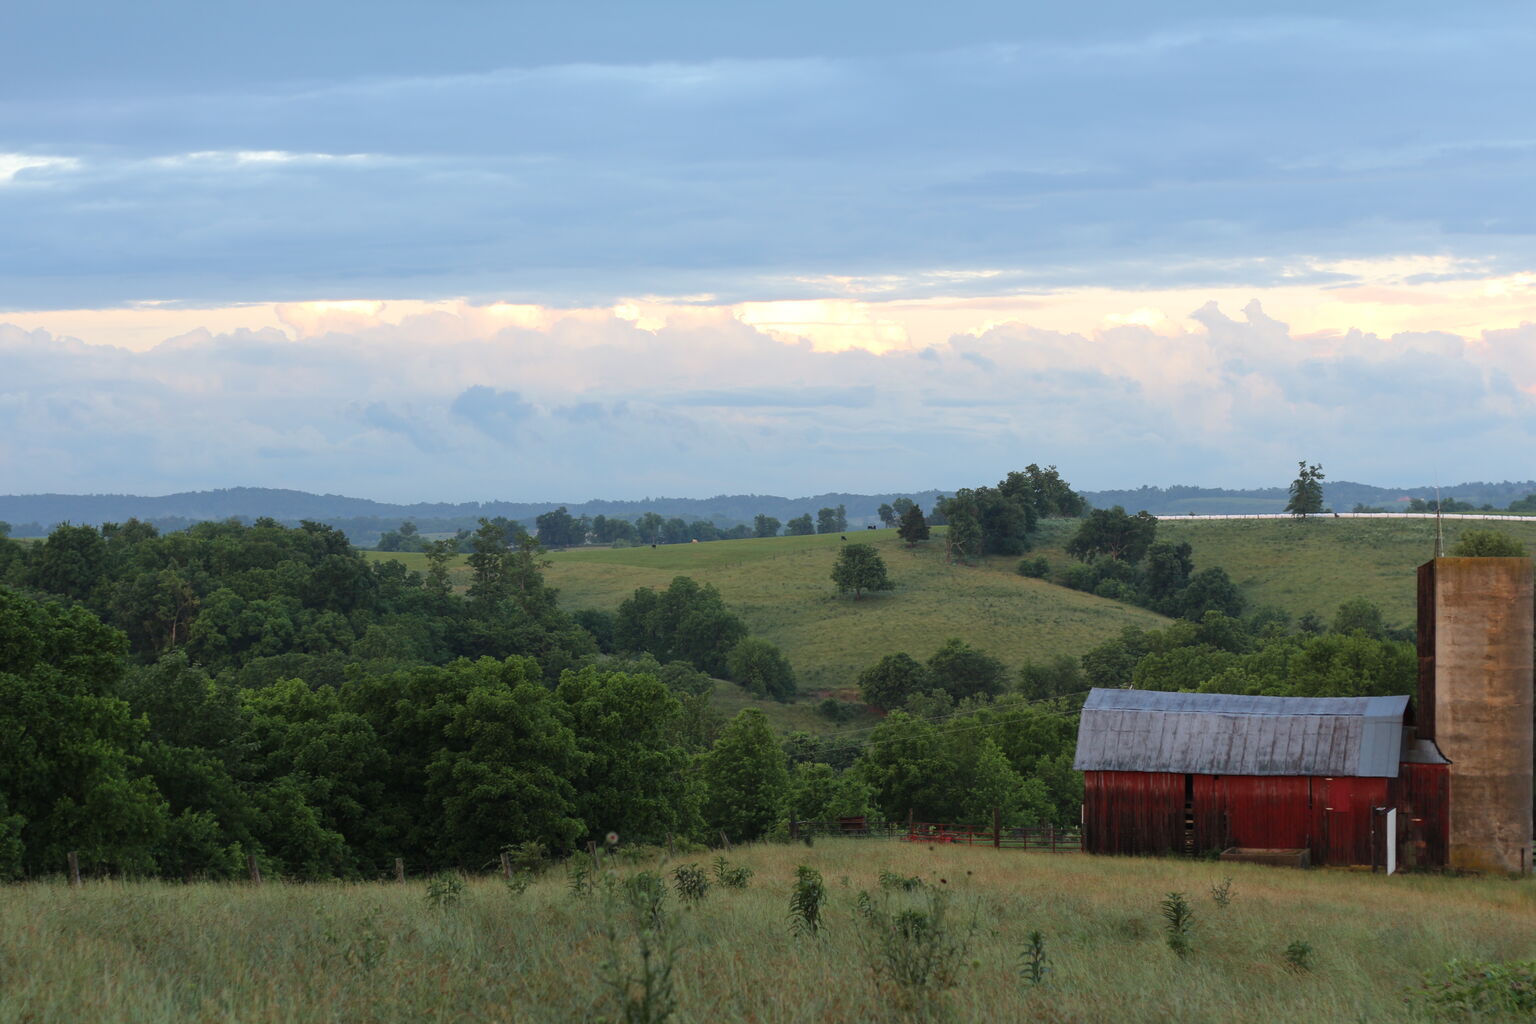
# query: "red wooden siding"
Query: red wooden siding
{"points": [[1422, 795], [1133, 812], [1251, 810], [1145, 812]]}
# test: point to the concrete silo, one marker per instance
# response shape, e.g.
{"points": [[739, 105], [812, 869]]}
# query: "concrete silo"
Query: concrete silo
{"points": [[1475, 702]]}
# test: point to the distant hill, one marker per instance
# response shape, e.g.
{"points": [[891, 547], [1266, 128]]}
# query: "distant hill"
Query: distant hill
{"points": [[1341, 495], [363, 520]]}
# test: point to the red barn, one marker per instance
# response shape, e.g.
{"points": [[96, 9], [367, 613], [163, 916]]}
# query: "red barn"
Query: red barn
{"points": [[1196, 772]]}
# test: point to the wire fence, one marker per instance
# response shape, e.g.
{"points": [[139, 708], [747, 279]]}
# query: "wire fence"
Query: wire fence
{"points": [[1049, 838], [1197, 517]]}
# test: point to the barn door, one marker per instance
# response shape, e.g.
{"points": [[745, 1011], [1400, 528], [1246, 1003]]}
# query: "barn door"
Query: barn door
{"points": [[1340, 823]]}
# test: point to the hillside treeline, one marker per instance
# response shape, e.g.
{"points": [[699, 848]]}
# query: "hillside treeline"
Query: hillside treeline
{"points": [[174, 704]]}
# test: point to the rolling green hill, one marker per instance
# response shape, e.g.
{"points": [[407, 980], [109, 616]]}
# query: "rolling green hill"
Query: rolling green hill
{"points": [[1313, 565], [782, 587]]}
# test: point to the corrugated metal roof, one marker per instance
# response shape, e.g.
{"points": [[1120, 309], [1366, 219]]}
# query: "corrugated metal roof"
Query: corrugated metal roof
{"points": [[1231, 734]]}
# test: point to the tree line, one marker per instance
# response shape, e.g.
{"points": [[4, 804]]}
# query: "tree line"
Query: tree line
{"points": [[171, 704], [559, 529]]}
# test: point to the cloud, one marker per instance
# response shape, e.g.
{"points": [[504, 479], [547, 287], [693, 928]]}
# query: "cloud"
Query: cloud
{"points": [[810, 397], [908, 156], [496, 413], [475, 406]]}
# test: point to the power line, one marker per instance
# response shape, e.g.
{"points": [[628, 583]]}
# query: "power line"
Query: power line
{"points": [[939, 719]]}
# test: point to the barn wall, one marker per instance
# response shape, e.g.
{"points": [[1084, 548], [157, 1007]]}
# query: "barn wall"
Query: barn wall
{"points": [[1133, 812], [1251, 810], [1144, 812], [1422, 796], [1342, 819]]}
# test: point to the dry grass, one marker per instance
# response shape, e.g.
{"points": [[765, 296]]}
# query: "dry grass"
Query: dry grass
{"points": [[153, 952]]}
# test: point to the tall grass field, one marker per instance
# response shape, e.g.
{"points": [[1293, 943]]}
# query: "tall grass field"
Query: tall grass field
{"points": [[145, 952]]}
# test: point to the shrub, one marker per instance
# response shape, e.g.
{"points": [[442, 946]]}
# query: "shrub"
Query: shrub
{"points": [[691, 883], [915, 949], [1034, 965], [807, 902], [1180, 920], [578, 877], [646, 894], [890, 880], [1298, 955], [640, 928], [1487, 544], [729, 876], [1222, 894], [1034, 568], [444, 889], [834, 710]]}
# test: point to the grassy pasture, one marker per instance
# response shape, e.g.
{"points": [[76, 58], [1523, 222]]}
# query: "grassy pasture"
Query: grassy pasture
{"points": [[1315, 565], [145, 953], [782, 587]]}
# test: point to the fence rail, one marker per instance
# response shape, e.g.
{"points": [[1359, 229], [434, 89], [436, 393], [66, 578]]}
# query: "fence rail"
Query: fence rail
{"points": [[1496, 516], [1034, 837]]}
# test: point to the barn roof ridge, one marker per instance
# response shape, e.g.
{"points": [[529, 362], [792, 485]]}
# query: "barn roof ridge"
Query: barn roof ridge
{"points": [[1101, 698], [1237, 734]]}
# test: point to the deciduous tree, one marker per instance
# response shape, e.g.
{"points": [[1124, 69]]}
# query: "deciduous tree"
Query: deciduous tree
{"points": [[1306, 490], [744, 779], [892, 680], [762, 668], [1111, 533], [859, 567]]}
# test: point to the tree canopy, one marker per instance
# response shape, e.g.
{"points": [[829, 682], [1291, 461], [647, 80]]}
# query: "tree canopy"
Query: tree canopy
{"points": [[858, 568], [1487, 544], [1306, 490]]}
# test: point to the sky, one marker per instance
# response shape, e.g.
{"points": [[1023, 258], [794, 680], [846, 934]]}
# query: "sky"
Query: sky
{"points": [[491, 250]]}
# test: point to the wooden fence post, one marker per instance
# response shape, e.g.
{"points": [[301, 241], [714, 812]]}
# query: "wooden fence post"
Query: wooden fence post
{"points": [[670, 852], [997, 829], [506, 864], [724, 839], [597, 858], [400, 869], [74, 868], [255, 868], [794, 827], [909, 822]]}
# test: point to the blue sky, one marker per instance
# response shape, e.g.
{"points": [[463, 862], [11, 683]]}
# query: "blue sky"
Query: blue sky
{"points": [[473, 250]]}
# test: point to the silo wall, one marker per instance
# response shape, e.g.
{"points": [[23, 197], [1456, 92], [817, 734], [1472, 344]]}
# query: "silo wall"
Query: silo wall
{"points": [[1476, 658]]}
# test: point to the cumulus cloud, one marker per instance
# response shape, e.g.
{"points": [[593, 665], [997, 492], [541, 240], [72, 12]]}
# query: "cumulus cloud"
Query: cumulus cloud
{"points": [[447, 406]]}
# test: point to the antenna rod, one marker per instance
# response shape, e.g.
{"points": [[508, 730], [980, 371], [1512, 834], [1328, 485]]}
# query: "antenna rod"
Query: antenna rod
{"points": [[1439, 533]]}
